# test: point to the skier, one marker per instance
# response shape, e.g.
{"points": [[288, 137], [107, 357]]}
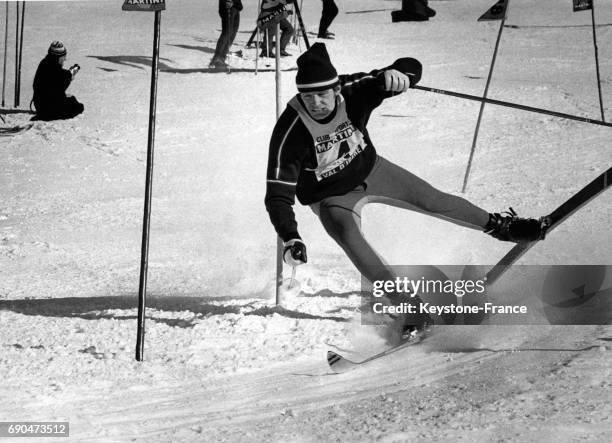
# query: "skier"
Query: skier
{"points": [[229, 11], [274, 12], [50, 83], [321, 152]]}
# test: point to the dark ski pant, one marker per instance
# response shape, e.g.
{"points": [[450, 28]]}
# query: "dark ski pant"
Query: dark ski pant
{"points": [[230, 22], [286, 31], [328, 14], [392, 185], [68, 108]]}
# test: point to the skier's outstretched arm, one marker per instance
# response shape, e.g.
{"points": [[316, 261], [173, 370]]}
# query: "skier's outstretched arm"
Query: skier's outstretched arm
{"points": [[284, 165]]}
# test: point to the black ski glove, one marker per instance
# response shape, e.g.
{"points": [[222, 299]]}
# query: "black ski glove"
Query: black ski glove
{"points": [[409, 66]]}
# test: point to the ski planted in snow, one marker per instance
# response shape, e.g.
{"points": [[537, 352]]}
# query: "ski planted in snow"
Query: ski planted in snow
{"points": [[340, 364], [554, 219]]}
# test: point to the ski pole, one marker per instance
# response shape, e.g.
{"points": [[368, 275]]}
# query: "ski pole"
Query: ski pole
{"points": [[292, 281], [513, 105], [296, 35], [251, 38], [301, 22]]}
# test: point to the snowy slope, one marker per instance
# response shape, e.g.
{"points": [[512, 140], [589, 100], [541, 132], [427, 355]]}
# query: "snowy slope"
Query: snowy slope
{"points": [[222, 363]]}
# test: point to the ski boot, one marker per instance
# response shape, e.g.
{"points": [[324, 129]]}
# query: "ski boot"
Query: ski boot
{"points": [[327, 35], [417, 331], [409, 326], [508, 226]]}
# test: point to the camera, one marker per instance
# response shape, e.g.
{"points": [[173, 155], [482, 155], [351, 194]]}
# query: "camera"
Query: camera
{"points": [[74, 69]]}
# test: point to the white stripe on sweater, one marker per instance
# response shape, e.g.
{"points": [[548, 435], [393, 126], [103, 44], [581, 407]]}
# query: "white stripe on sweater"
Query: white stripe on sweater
{"points": [[280, 149], [281, 182], [357, 80]]}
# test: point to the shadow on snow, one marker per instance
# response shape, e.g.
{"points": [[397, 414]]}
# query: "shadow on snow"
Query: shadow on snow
{"points": [[134, 61], [196, 48], [94, 308], [142, 62]]}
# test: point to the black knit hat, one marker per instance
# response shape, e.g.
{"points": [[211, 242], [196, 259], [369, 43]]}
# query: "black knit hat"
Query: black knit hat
{"points": [[57, 49], [315, 70]]}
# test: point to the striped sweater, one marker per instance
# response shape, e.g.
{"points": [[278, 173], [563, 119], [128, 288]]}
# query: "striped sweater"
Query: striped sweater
{"points": [[312, 159]]}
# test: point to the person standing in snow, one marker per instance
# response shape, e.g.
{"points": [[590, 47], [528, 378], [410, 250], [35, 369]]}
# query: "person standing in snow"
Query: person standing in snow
{"points": [[328, 14], [50, 83], [274, 12], [229, 11], [321, 152]]}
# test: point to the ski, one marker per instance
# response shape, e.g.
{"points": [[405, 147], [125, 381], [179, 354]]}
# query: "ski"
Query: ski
{"points": [[14, 130], [340, 364], [554, 219]]}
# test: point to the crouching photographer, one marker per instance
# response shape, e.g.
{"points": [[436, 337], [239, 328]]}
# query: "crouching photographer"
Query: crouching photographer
{"points": [[50, 84]]}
